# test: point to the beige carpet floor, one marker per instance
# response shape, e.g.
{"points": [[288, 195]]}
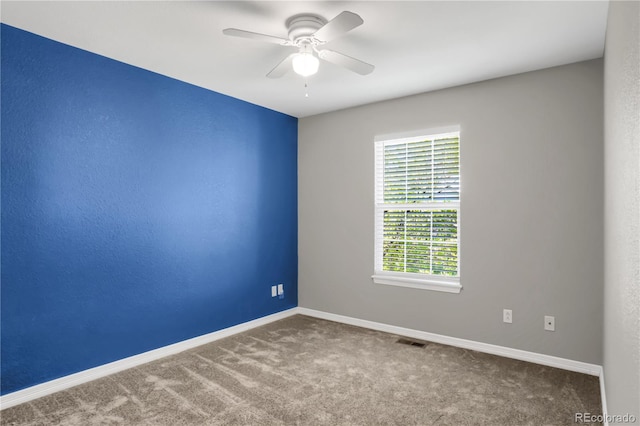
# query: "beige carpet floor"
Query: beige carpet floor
{"points": [[306, 371]]}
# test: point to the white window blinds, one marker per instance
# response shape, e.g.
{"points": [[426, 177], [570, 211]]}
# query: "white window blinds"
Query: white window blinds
{"points": [[417, 206]]}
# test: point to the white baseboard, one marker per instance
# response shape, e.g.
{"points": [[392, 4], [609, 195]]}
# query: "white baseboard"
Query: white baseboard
{"points": [[85, 376], [548, 360], [603, 399], [66, 382]]}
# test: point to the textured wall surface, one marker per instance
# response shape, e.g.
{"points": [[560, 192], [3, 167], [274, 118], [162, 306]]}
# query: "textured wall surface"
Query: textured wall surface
{"points": [[137, 210], [622, 209], [531, 212]]}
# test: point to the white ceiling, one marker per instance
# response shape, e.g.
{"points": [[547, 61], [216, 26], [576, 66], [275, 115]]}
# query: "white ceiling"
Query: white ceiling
{"points": [[416, 46]]}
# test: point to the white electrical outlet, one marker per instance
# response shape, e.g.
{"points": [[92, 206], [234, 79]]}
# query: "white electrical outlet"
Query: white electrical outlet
{"points": [[507, 316], [280, 289], [549, 323], [274, 291]]}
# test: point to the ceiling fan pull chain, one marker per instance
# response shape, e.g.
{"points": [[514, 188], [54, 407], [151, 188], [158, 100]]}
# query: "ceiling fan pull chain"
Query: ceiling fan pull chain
{"points": [[306, 90]]}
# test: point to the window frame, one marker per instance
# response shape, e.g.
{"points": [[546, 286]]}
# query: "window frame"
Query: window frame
{"points": [[447, 284]]}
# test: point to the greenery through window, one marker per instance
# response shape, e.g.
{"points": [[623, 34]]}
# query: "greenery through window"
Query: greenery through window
{"points": [[417, 205]]}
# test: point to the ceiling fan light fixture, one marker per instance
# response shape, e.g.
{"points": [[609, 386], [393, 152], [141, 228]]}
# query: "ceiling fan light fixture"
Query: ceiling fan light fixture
{"points": [[305, 64]]}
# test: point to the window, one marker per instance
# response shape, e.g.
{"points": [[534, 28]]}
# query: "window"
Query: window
{"points": [[417, 210]]}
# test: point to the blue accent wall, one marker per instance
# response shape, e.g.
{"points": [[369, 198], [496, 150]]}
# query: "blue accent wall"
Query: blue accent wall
{"points": [[137, 210]]}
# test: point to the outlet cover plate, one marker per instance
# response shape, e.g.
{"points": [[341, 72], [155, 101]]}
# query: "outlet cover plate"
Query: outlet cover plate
{"points": [[549, 323]]}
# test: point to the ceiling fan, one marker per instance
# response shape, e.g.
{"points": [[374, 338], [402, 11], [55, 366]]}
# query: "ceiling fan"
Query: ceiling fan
{"points": [[308, 32]]}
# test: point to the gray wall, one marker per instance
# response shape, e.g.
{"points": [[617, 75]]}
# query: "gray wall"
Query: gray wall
{"points": [[531, 218], [622, 209]]}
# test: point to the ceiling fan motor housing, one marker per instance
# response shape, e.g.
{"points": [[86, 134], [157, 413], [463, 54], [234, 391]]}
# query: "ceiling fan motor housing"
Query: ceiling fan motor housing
{"points": [[302, 27]]}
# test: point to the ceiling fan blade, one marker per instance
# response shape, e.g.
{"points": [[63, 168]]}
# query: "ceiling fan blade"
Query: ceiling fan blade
{"points": [[345, 61], [256, 36], [282, 68], [341, 24]]}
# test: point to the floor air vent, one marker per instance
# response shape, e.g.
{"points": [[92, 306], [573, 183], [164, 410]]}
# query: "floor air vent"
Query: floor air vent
{"points": [[411, 343]]}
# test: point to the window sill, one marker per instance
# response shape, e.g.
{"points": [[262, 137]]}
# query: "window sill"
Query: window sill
{"points": [[419, 283]]}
